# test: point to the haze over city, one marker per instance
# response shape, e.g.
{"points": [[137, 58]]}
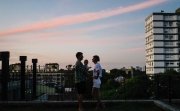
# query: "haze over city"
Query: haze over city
{"points": [[53, 31]]}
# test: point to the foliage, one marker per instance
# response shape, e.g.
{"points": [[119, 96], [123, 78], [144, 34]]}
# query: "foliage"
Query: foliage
{"points": [[117, 72], [167, 84], [134, 88]]}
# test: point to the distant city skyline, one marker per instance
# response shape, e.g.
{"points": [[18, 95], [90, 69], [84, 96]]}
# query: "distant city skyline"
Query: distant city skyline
{"points": [[53, 31]]}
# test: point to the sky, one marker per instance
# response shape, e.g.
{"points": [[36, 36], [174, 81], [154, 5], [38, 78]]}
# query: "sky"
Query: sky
{"points": [[54, 30]]}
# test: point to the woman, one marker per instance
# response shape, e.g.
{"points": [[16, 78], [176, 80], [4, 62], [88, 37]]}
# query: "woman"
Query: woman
{"points": [[97, 74]]}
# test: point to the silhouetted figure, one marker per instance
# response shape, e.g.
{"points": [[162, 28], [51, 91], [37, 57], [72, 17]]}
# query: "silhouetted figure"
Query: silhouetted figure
{"points": [[86, 67], [97, 74], [80, 79], [88, 94]]}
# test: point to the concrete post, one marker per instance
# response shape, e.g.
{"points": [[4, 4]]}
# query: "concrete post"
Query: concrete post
{"points": [[23, 65], [4, 57], [34, 61]]}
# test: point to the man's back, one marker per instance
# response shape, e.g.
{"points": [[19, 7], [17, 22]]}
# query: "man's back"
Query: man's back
{"points": [[79, 72]]}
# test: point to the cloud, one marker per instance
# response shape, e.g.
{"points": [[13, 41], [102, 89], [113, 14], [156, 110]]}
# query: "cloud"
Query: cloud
{"points": [[86, 41], [74, 32], [80, 18]]}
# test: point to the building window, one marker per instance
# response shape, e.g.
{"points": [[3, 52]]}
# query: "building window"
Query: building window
{"points": [[165, 24], [167, 63], [170, 37], [169, 56], [168, 17], [170, 30], [170, 23], [171, 63], [149, 64], [168, 43], [178, 44], [165, 31], [165, 36]]}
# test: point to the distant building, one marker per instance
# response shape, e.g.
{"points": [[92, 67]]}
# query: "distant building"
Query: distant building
{"points": [[51, 67], [133, 71], [15, 67], [129, 71], [119, 79], [139, 68], [162, 32]]}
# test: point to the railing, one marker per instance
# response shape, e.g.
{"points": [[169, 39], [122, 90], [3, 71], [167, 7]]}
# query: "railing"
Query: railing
{"points": [[167, 87], [60, 87], [49, 86], [34, 86]]}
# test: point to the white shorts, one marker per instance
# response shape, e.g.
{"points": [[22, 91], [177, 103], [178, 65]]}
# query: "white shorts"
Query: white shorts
{"points": [[96, 85]]}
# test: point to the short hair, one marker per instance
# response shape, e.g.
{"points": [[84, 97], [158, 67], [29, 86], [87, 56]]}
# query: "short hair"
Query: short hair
{"points": [[96, 57], [78, 54], [85, 60]]}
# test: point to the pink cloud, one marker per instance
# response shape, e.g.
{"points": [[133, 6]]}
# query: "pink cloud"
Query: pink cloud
{"points": [[49, 35], [84, 41], [80, 18], [65, 37]]}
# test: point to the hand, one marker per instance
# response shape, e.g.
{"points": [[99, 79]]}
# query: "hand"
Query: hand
{"points": [[95, 77]]}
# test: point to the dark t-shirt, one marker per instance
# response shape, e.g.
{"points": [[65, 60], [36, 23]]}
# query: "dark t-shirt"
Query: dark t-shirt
{"points": [[79, 72]]}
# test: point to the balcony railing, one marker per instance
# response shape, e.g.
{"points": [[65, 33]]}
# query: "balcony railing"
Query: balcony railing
{"points": [[49, 86], [60, 87]]}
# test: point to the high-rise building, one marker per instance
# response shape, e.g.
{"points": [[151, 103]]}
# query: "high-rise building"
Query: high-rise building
{"points": [[162, 32]]}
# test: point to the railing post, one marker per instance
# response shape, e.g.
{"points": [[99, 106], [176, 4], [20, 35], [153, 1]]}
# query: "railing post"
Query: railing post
{"points": [[169, 88], [39, 69], [4, 57], [31, 68], [157, 86], [23, 65], [34, 61]]}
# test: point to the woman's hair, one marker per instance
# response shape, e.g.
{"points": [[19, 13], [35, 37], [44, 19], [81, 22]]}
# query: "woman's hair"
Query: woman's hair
{"points": [[96, 57], [85, 60]]}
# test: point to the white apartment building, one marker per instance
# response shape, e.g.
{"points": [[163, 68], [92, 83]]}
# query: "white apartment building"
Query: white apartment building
{"points": [[162, 32]]}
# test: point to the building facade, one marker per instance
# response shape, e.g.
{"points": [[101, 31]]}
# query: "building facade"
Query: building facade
{"points": [[162, 34], [51, 67], [15, 67]]}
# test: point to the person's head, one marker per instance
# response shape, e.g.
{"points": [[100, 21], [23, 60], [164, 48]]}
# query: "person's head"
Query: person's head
{"points": [[95, 59], [86, 62], [79, 56]]}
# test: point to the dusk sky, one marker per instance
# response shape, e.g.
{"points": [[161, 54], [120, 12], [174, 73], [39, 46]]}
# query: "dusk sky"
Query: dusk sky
{"points": [[54, 30]]}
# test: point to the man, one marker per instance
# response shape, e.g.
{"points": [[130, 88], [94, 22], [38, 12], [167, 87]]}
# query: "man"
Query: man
{"points": [[86, 67], [80, 79], [97, 74]]}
